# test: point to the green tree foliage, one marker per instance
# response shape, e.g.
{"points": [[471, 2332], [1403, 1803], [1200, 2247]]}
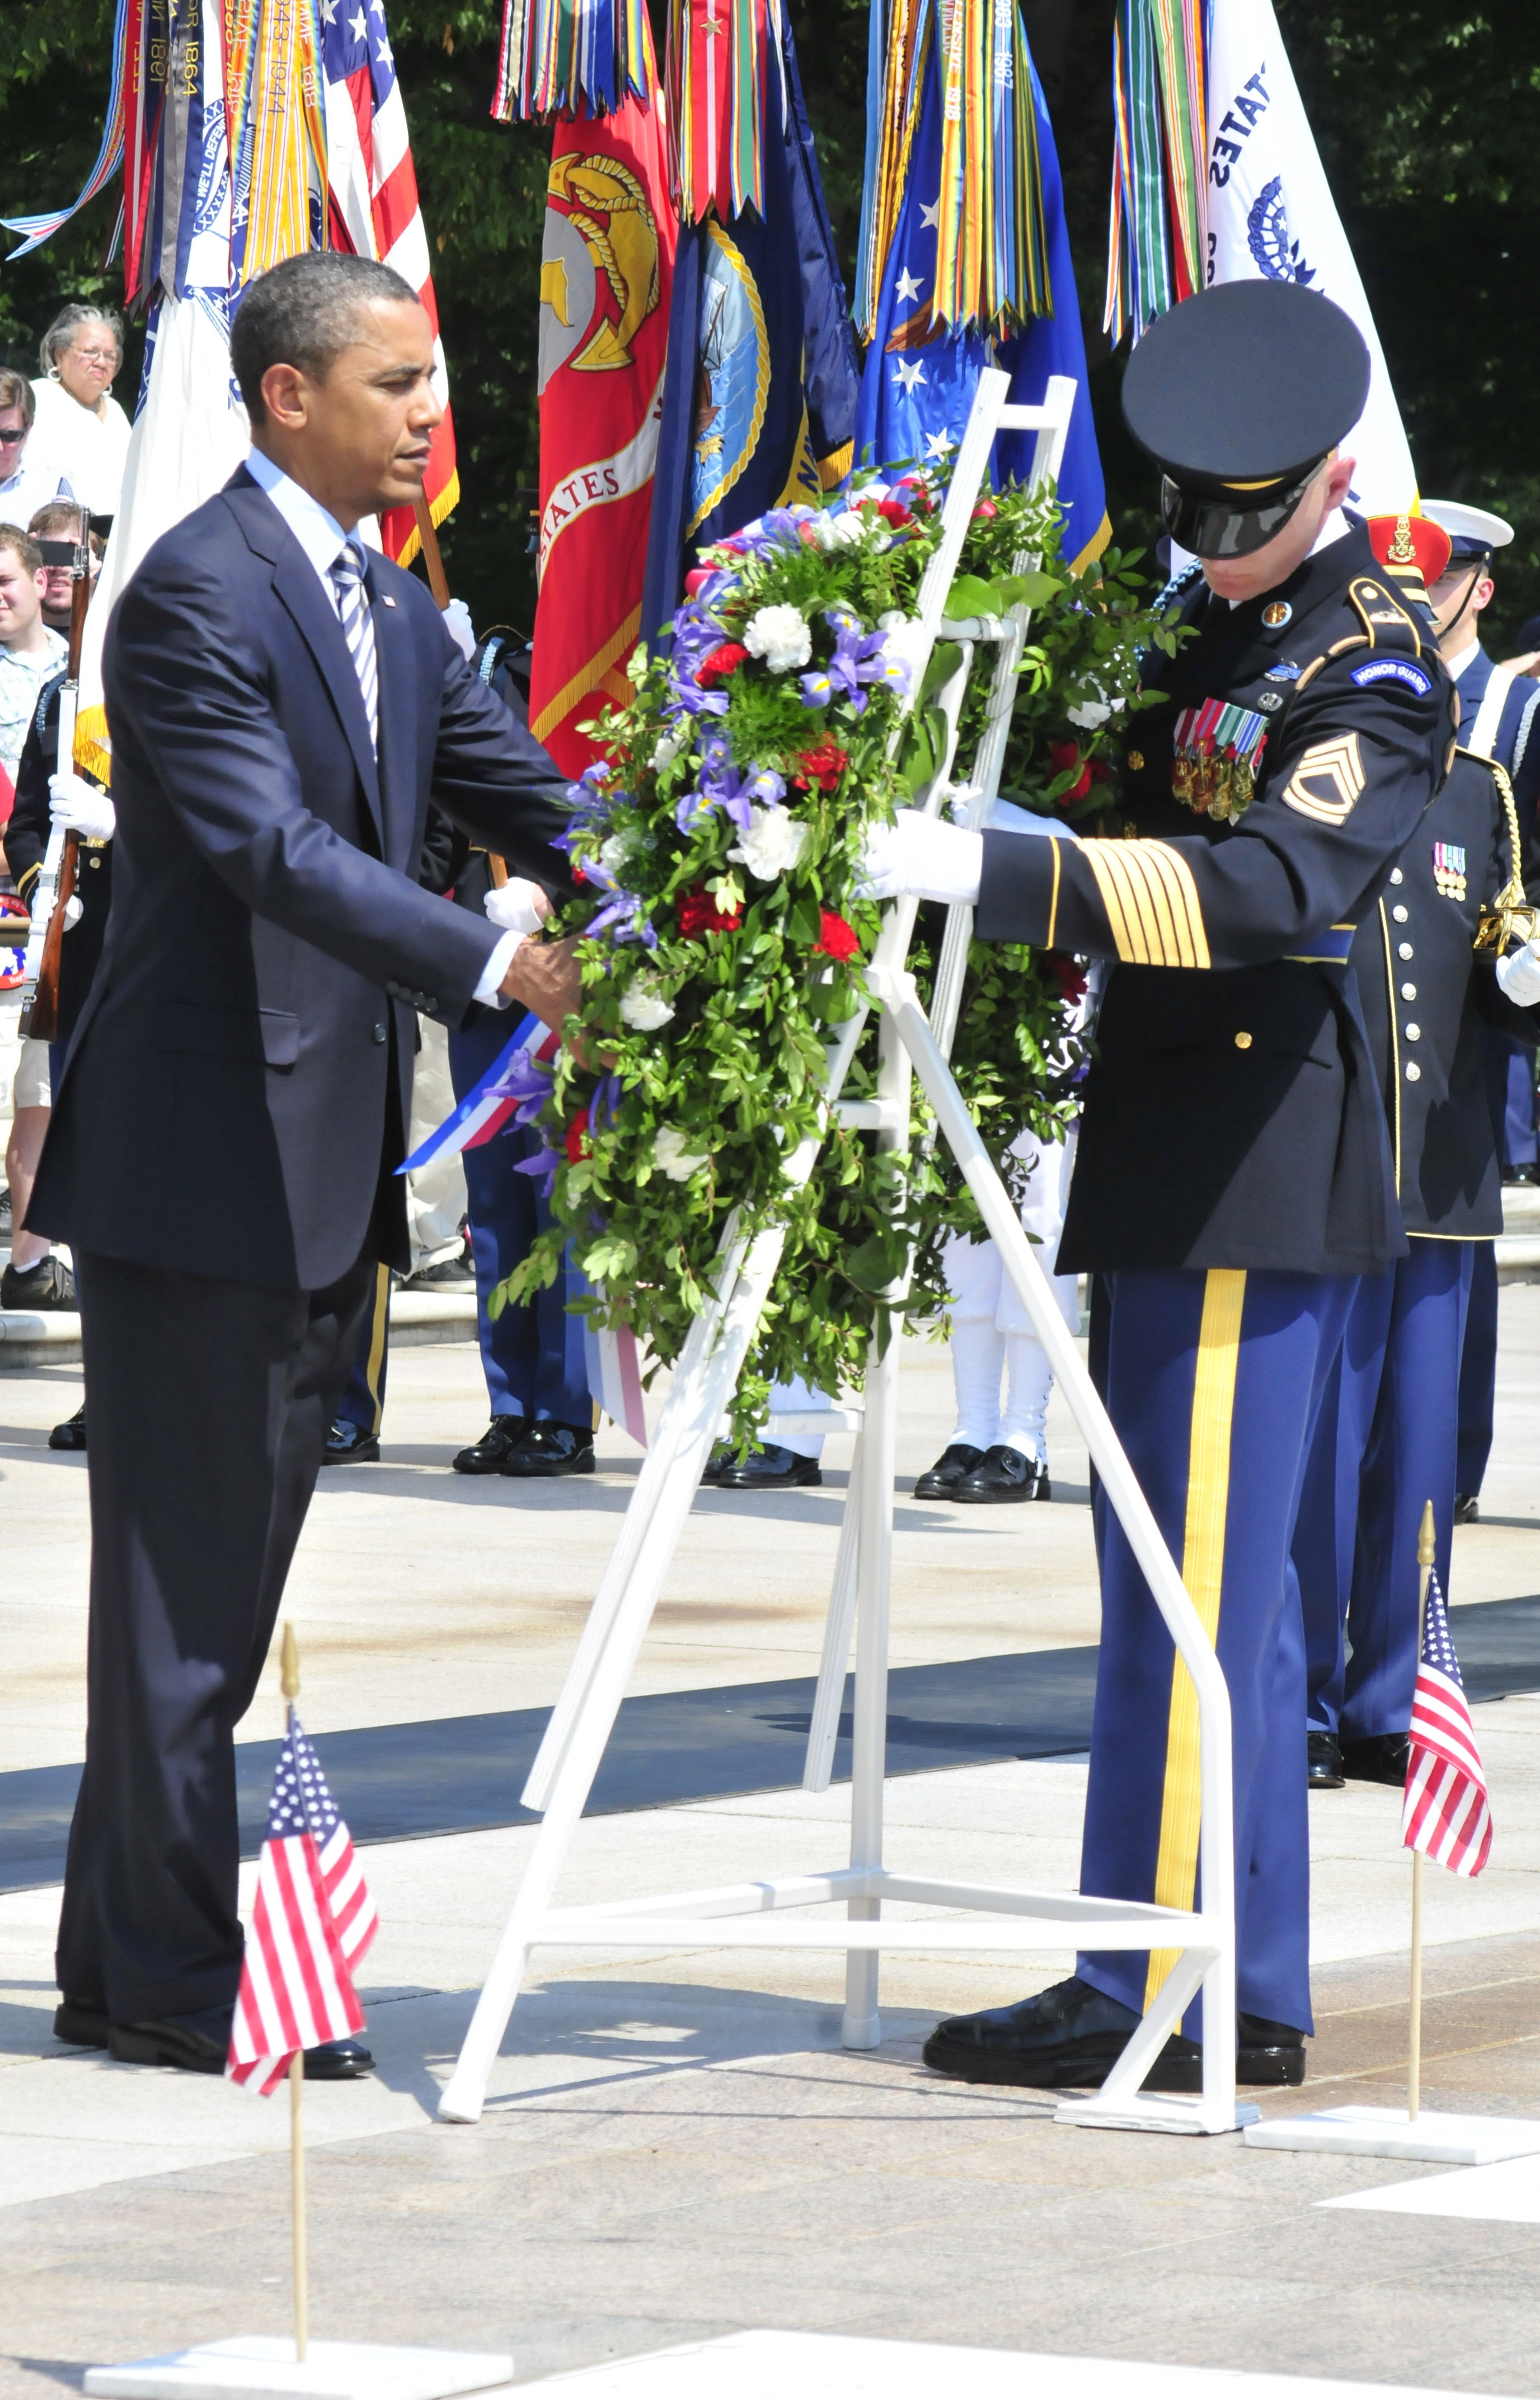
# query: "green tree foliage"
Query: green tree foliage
{"points": [[1428, 120]]}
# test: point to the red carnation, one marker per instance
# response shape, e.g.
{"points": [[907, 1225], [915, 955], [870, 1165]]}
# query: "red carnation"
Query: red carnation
{"points": [[699, 914], [1065, 756], [986, 509], [1066, 975], [895, 512], [577, 1138], [836, 938], [822, 764], [720, 663]]}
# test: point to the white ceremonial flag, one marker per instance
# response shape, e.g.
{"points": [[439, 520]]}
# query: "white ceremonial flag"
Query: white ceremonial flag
{"points": [[188, 441], [1271, 212]]}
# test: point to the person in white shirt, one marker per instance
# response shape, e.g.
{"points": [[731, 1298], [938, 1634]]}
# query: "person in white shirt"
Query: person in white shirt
{"points": [[79, 423], [29, 477]]}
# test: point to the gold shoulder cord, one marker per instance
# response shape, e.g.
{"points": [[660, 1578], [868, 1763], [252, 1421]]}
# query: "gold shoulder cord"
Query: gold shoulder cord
{"points": [[1511, 917]]}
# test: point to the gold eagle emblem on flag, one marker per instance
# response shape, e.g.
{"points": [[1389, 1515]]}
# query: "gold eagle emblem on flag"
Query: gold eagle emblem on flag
{"points": [[1327, 781]]}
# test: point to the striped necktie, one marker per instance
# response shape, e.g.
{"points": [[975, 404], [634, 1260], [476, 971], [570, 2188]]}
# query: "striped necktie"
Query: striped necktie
{"points": [[358, 624]]}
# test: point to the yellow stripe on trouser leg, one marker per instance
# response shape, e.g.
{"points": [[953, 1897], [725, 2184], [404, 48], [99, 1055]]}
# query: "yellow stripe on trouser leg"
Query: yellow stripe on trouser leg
{"points": [[1203, 1573], [379, 1326]]}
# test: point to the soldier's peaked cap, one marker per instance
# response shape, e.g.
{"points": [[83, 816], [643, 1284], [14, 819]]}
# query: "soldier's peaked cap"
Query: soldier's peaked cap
{"points": [[1246, 383]]}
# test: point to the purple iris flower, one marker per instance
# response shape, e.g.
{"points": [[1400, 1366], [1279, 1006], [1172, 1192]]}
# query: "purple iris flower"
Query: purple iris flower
{"points": [[626, 914], [858, 660], [545, 1162], [721, 785]]}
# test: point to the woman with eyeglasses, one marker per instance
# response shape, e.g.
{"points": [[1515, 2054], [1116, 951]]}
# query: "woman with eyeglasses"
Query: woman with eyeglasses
{"points": [[79, 424]]}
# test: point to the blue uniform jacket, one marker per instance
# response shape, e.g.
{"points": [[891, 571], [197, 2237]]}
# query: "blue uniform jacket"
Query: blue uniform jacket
{"points": [[1516, 746], [1426, 992], [239, 1080], [1232, 1117]]}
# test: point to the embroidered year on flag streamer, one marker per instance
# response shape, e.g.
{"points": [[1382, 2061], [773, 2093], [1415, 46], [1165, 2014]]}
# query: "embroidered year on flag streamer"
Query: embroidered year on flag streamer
{"points": [[1445, 1812], [607, 273], [311, 1924]]}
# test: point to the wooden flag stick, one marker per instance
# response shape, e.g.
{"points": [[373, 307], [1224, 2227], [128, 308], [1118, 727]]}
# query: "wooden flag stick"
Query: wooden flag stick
{"points": [[432, 558], [289, 1659], [1414, 2044]]}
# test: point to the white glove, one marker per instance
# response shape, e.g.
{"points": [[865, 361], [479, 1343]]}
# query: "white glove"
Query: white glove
{"points": [[73, 911], [517, 906], [924, 858], [78, 807], [458, 625], [1519, 975]]}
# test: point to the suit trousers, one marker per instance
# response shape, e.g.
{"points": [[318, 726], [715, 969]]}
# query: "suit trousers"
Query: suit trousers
{"points": [[1213, 1381], [209, 1404], [1385, 1442]]}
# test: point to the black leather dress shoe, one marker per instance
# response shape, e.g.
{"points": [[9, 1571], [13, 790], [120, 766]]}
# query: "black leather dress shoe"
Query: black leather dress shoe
{"points": [[1380, 1758], [81, 2023], [550, 1449], [48, 1284], [490, 1455], [773, 1468], [1267, 2053], [199, 2044], [721, 1457], [1467, 1508], [70, 1434], [348, 1445], [1324, 1771], [1003, 1475], [1069, 2037], [1526, 1173], [940, 1482]]}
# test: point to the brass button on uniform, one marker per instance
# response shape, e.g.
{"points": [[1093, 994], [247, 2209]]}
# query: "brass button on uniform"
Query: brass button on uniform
{"points": [[1404, 950], [1409, 991], [1399, 914], [1243, 1040], [1136, 761], [1414, 1032], [1395, 875], [1414, 1072]]}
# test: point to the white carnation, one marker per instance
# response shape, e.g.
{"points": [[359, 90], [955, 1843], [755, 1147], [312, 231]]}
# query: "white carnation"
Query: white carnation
{"points": [[1090, 715], [780, 636], [848, 530], [643, 1005], [907, 639], [668, 746], [612, 855], [674, 1160], [774, 844]]}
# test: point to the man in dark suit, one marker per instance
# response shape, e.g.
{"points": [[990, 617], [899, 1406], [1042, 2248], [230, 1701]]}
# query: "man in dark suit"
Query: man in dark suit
{"points": [[281, 702]]}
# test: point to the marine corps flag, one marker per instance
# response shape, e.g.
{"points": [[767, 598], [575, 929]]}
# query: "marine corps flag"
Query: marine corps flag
{"points": [[605, 277]]}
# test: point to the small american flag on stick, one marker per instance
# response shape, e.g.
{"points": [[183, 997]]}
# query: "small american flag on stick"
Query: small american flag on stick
{"points": [[1445, 1812], [312, 1925]]}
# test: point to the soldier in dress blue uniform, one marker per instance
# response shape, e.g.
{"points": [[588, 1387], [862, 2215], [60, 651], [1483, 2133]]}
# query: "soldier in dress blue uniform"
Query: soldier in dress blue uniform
{"points": [[1303, 728], [532, 1356], [1386, 1439], [1499, 718]]}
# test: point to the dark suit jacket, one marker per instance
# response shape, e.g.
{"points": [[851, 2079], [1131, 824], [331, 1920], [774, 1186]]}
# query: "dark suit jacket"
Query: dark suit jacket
{"points": [[240, 1076]]}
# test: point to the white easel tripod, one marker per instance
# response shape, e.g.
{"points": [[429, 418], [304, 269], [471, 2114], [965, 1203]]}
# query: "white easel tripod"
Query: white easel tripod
{"points": [[751, 1915]]}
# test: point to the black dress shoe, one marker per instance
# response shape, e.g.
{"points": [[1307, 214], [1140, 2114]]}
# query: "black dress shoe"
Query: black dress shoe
{"points": [[721, 1458], [1069, 2037], [1527, 1173], [773, 1468], [1324, 1771], [1267, 2053], [48, 1284], [70, 1434], [940, 1482], [1382, 1758], [81, 2023], [1467, 1508], [456, 1273], [348, 1445], [199, 2044], [552, 1449], [489, 1455], [1003, 1475]]}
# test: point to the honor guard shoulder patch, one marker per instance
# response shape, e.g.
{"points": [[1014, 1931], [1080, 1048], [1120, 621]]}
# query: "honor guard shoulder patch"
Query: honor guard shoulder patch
{"points": [[1327, 781], [1449, 869], [1401, 671]]}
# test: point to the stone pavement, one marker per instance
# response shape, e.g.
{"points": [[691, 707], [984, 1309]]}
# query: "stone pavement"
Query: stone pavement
{"points": [[675, 2146]]}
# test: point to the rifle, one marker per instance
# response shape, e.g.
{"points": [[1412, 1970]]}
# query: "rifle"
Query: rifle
{"points": [[60, 861], [438, 583]]}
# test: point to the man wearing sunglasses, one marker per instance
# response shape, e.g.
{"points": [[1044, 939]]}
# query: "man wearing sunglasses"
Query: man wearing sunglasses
{"points": [[29, 478], [1293, 744]]}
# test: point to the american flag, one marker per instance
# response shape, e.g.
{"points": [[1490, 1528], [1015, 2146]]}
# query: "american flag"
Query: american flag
{"points": [[1446, 1813], [312, 1925], [372, 190]]}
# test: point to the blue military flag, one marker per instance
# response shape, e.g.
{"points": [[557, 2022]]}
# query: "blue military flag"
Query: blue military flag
{"points": [[921, 371], [759, 400]]}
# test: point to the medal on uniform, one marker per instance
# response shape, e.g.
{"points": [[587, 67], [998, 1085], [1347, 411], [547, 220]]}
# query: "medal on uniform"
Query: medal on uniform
{"points": [[1449, 869], [1215, 755], [1276, 613]]}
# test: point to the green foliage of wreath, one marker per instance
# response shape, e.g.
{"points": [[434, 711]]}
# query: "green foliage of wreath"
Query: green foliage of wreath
{"points": [[725, 927]]}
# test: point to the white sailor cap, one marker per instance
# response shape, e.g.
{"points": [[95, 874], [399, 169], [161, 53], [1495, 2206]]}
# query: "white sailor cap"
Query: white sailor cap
{"points": [[1473, 533]]}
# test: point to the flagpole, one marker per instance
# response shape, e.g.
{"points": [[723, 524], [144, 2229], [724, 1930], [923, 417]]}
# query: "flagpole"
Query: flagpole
{"points": [[1414, 2046], [290, 1660]]}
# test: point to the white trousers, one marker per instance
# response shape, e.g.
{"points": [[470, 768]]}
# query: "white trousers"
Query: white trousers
{"points": [[435, 1195], [990, 1329]]}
